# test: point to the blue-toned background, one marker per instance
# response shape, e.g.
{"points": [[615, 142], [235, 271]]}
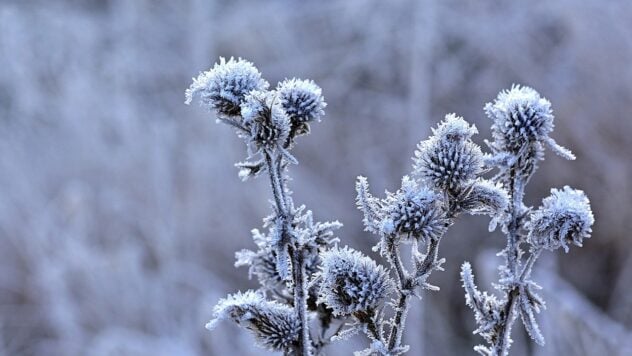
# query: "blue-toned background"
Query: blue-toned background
{"points": [[120, 209]]}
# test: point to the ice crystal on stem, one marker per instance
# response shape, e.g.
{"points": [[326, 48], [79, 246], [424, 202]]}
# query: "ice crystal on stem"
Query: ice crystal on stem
{"points": [[522, 124]]}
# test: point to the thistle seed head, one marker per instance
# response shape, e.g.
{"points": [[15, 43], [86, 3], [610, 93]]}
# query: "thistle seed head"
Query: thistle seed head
{"points": [[564, 218], [225, 86]]}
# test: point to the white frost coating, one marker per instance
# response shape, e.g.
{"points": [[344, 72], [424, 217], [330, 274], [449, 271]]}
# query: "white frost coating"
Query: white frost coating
{"points": [[265, 119], [274, 325], [522, 122], [352, 282], [302, 99], [486, 307], [413, 210], [564, 218], [449, 159], [224, 86], [486, 197]]}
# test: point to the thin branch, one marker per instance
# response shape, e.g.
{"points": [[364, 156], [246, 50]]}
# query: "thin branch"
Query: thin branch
{"points": [[297, 256]]}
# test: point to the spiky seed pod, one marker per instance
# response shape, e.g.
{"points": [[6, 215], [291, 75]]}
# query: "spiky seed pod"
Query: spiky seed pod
{"points": [[414, 210], [449, 159], [302, 100], [274, 325], [266, 120], [564, 218], [520, 117], [225, 86], [486, 197], [522, 122], [352, 282]]}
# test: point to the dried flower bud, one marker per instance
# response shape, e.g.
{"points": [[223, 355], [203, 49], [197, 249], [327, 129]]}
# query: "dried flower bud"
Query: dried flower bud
{"points": [[266, 120], [485, 197], [449, 158], [522, 122], [564, 218], [352, 282], [302, 100], [414, 210], [274, 325], [521, 116], [225, 86]]}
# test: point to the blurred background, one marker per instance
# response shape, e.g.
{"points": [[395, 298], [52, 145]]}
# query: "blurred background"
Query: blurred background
{"points": [[120, 209]]}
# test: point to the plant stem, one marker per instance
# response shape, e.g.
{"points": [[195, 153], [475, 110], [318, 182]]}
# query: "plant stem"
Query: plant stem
{"points": [[512, 258], [300, 300], [397, 328], [281, 199], [404, 291]]}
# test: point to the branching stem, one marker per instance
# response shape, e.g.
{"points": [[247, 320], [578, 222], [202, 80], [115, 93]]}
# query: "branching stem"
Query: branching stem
{"points": [[281, 198], [516, 189]]}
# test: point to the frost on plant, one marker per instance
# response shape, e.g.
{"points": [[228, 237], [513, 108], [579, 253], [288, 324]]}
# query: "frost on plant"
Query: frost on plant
{"points": [[224, 87], [446, 170], [449, 159], [351, 282], [288, 252], [312, 292], [522, 122], [274, 325], [564, 218]]}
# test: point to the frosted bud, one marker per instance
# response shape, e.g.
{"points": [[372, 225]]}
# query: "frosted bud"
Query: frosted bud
{"points": [[522, 118], [564, 218], [274, 325], [352, 282], [449, 158], [414, 210], [264, 117], [302, 100], [225, 86], [485, 197]]}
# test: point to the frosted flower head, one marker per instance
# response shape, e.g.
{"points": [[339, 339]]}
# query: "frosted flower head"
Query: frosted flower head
{"points": [[449, 158], [274, 325], [564, 218], [266, 120], [352, 282], [302, 100], [414, 210], [225, 86], [521, 117], [486, 197]]}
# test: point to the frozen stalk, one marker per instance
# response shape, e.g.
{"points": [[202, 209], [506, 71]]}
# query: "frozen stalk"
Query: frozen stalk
{"points": [[522, 121]]}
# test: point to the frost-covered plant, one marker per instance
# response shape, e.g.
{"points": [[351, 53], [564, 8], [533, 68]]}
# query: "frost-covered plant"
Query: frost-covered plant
{"points": [[288, 258], [447, 167], [303, 278], [522, 122]]}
